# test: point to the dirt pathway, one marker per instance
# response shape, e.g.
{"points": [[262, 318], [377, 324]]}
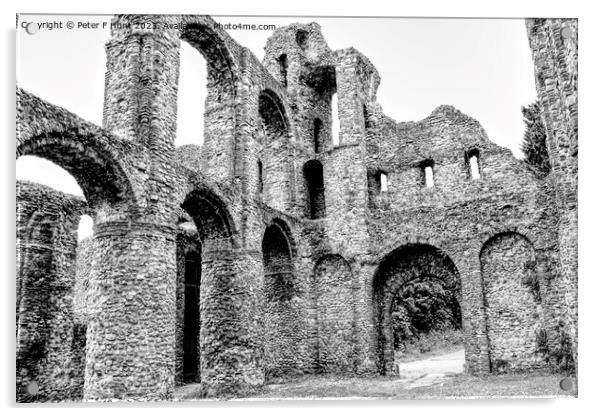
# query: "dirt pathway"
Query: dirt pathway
{"points": [[431, 370], [412, 374]]}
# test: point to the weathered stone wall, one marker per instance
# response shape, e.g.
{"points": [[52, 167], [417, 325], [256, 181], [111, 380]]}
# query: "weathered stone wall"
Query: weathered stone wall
{"points": [[513, 307], [49, 339], [295, 236], [554, 49], [459, 213], [336, 308]]}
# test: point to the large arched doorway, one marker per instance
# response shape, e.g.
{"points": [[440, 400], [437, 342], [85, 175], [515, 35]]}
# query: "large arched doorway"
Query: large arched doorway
{"points": [[69, 178], [512, 300], [417, 291]]}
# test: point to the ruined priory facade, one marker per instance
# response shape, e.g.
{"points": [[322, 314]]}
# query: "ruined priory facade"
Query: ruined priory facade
{"points": [[275, 249]]}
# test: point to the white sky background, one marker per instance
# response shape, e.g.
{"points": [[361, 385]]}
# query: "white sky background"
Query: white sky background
{"points": [[483, 67]]}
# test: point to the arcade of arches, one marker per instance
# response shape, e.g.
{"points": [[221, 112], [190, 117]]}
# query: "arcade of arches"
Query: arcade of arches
{"points": [[268, 252]]}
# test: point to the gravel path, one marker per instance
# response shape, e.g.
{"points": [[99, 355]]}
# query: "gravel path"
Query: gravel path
{"points": [[431, 370]]}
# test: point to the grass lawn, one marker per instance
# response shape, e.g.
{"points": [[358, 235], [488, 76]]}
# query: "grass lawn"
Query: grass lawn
{"points": [[463, 385]]}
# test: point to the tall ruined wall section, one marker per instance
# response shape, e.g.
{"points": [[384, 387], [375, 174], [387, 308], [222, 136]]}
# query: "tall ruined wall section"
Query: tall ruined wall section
{"points": [[50, 341], [459, 214], [331, 191], [554, 49]]}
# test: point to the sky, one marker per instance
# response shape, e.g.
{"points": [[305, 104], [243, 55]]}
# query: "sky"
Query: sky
{"points": [[483, 67]]}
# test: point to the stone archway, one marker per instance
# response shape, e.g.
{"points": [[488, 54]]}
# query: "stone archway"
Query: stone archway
{"points": [[401, 267], [283, 328], [85, 151], [219, 131], [274, 154], [512, 301]]}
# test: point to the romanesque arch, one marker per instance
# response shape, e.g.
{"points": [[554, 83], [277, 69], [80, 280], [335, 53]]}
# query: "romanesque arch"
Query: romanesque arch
{"points": [[283, 309], [512, 301], [400, 267], [80, 148], [219, 329], [336, 315], [212, 219], [313, 172], [274, 154], [100, 177], [219, 131], [211, 44]]}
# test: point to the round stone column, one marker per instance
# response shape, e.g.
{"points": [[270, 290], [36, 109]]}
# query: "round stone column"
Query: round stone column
{"points": [[231, 337], [131, 329]]}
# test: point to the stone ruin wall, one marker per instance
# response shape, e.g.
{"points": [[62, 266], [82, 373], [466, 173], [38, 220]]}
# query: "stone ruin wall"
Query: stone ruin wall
{"points": [[282, 293], [554, 49], [50, 334]]}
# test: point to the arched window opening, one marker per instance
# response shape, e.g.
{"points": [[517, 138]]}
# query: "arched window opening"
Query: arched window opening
{"points": [[318, 141], [85, 228], [192, 282], [274, 154], [301, 39], [474, 164], [192, 93], [283, 65], [336, 122], [314, 181], [383, 180]]}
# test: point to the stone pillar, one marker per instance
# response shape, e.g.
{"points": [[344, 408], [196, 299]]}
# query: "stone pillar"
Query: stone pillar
{"points": [[366, 342], [231, 328], [141, 81], [345, 174], [131, 329], [474, 324], [554, 50], [346, 199]]}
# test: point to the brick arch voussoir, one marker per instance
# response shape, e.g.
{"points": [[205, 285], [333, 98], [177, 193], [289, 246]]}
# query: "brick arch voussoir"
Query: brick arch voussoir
{"points": [[85, 148], [330, 257], [216, 46], [524, 233]]}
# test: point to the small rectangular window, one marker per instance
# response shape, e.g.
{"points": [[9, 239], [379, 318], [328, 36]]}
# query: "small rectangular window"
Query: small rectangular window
{"points": [[384, 184], [429, 180], [336, 123], [474, 167], [260, 176]]}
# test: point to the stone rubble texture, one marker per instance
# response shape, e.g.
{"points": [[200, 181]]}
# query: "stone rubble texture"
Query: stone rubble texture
{"points": [[298, 266]]}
